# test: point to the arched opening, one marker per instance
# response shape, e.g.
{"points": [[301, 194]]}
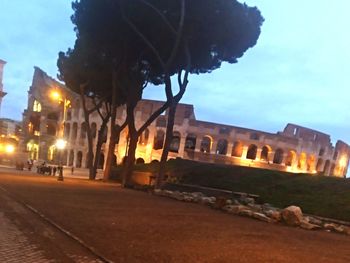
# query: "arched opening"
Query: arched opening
{"points": [[75, 131], [83, 131], [311, 163], [36, 106], [278, 157], [65, 157], [252, 150], [93, 130], [175, 142], [66, 130], [237, 149], [206, 144], [319, 165], [51, 153], [33, 149], [290, 158], [159, 140], [101, 161], [143, 140], [140, 161], [190, 143], [51, 129], [79, 159], [326, 167], [71, 158], [302, 161], [265, 153], [332, 172], [221, 147]]}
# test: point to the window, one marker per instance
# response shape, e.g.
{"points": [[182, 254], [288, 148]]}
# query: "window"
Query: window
{"points": [[254, 136], [36, 106]]}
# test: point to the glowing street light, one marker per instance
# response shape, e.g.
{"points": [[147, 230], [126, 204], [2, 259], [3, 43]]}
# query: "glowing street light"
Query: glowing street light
{"points": [[9, 148], [60, 145]]}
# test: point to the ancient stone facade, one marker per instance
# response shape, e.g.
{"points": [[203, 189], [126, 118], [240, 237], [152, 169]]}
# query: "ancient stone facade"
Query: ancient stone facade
{"points": [[295, 149]]}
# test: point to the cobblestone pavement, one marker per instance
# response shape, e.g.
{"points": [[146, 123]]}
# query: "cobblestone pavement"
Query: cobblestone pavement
{"points": [[25, 237], [15, 247]]}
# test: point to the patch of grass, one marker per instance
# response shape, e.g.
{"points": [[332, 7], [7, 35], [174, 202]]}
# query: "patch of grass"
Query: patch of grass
{"points": [[319, 195]]}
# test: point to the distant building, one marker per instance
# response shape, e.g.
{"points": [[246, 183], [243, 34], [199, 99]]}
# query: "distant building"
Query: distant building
{"points": [[2, 93], [10, 128], [295, 149]]}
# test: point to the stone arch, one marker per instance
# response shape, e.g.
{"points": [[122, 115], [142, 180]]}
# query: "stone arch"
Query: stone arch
{"points": [[221, 148], [144, 137], [332, 172], [278, 157], [66, 130], [252, 151], [302, 161], [74, 131], [311, 163], [237, 149], [206, 144], [83, 130], [319, 165], [175, 142], [291, 156], [190, 143], [93, 130], [79, 159], [71, 158], [265, 153], [159, 140], [326, 166]]}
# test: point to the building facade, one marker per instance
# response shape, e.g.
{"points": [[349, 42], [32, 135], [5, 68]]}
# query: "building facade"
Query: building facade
{"points": [[295, 149]]}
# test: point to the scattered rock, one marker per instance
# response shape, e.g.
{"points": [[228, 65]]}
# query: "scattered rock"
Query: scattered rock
{"points": [[313, 220], [309, 226], [246, 212], [335, 227], [262, 217], [292, 215], [273, 214]]}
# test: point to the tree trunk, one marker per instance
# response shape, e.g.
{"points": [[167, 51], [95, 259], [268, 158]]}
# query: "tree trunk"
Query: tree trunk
{"points": [[130, 160], [99, 145], [167, 142]]}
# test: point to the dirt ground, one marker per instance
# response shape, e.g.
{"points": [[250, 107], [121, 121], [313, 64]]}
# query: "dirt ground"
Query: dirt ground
{"points": [[130, 226]]}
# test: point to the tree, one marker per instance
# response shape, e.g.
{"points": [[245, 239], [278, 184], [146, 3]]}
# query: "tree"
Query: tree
{"points": [[89, 76], [205, 32], [151, 40]]}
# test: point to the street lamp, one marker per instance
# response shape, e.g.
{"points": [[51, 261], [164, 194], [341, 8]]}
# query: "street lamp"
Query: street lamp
{"points": [[60, 145]]}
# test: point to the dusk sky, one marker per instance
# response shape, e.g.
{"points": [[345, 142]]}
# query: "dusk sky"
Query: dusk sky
{"points": [[297, 73]]}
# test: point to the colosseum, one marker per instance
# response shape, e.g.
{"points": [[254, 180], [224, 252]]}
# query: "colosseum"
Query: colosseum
{"points": [[296, 149]]}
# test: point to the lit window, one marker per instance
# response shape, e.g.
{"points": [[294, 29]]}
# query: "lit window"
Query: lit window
{"points": [[37, 106]]}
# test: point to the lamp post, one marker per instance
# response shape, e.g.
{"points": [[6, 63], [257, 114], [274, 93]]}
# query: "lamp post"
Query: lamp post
{"points": [[60, 145]]}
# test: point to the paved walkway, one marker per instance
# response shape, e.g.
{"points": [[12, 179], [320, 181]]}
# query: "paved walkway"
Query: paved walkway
{"points": [[26, 237], [15, 246]]}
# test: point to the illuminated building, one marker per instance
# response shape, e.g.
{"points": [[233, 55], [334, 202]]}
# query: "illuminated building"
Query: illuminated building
{"points": [[295, 149]]}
